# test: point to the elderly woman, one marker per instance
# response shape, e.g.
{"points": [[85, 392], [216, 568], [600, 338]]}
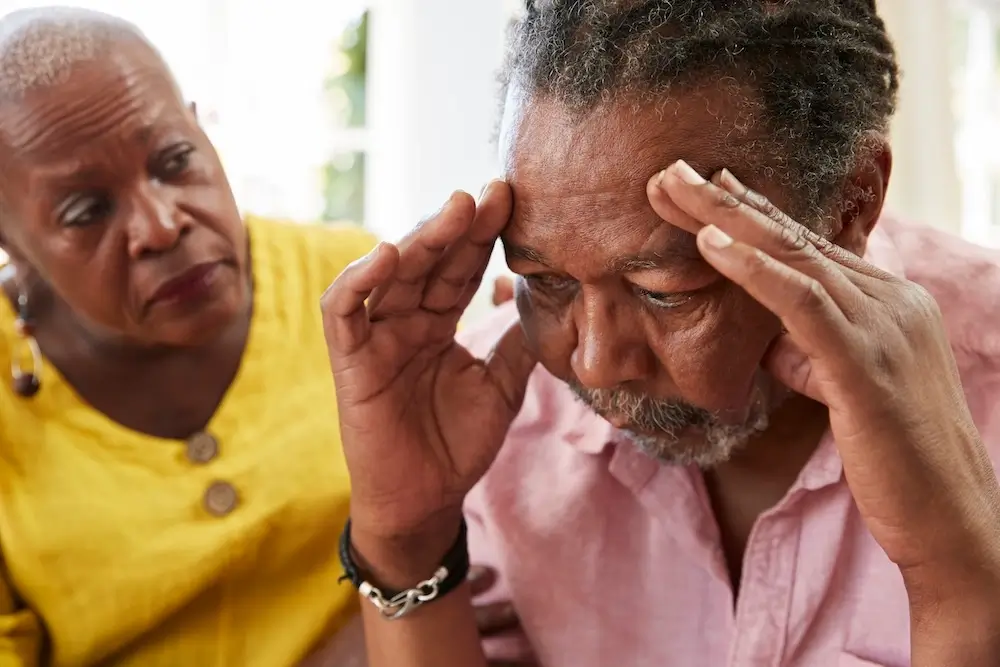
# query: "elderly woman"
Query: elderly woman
{"points": [[738, 418], [171, 478]]}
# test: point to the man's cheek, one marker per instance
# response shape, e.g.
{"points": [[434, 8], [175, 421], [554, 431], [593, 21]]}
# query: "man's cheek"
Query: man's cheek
{"points": [[545, 332], [715, 364]]}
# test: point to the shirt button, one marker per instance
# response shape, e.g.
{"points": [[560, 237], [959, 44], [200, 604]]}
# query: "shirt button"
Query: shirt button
{"points": [[202, 448], [221, 498]]}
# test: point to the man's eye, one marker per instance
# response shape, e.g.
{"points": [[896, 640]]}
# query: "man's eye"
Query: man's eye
{"points": [[85, 210], [551, 283], [664, 300]]}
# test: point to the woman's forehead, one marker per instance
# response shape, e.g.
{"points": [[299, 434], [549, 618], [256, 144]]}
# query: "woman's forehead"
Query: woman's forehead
{"points": [[115, 100], [41, 47]]}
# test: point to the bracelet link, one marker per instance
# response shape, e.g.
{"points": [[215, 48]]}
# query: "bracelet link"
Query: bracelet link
{"points": [[450, 574], [407, 601]]}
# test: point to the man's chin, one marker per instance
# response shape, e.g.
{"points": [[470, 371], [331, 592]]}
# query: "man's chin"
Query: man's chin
{"points": [[697, 445]]}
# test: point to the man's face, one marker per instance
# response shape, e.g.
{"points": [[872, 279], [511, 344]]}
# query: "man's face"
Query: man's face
{"points": [[118, 202], [618, 303]]}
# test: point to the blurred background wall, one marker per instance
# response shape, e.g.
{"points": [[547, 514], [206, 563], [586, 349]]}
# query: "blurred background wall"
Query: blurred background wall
{"points": [[373, 111]]}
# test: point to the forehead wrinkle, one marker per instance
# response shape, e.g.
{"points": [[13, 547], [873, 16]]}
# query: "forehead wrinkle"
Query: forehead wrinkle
{"points": [[581, 179]]}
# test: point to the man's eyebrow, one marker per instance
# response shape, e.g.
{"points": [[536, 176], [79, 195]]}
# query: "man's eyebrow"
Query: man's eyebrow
{"points": [[685, 251], [523, 253], [656, 259]]}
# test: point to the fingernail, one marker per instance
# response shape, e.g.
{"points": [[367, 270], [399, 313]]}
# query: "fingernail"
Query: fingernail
{"points": [[687, 173], [482, 193], [731, 183], [716, 238]]}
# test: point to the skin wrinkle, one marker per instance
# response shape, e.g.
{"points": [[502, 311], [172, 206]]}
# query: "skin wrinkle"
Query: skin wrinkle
{"points": [[557, 228], [111, 193], [601, 96]]}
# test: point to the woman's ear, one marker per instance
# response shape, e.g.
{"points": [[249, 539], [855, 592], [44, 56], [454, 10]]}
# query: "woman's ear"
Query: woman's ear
{"points": [[863, 195]]}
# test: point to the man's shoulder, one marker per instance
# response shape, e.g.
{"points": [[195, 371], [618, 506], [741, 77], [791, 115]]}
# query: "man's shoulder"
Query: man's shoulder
{"points": [[963, 278]]}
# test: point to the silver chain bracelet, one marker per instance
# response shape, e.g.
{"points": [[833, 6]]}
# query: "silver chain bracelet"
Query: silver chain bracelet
{"points": [[407, 601]]}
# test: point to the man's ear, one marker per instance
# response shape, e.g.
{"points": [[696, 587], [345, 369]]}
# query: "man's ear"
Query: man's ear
{"points": [[863, 195]]}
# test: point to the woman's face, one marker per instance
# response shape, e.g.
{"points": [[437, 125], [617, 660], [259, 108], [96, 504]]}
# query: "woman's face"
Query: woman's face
{"points": [[117, 201]]}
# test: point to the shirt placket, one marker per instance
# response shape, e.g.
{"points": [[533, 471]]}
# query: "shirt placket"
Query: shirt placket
{"points": [[762, 608]]}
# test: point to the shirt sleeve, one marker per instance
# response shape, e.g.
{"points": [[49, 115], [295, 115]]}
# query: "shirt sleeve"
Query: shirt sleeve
{"points": [[20, 631]]}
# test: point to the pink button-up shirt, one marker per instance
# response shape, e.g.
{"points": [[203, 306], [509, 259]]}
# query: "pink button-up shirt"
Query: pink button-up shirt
{"points": [[613, 560]]}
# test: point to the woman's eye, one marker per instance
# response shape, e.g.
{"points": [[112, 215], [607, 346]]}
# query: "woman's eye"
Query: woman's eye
{"points": [[87, 210], [175, 162], [665, 300]]}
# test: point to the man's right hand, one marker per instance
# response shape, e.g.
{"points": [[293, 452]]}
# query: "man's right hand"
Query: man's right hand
{"points": [[494, 620], [421, 418]]}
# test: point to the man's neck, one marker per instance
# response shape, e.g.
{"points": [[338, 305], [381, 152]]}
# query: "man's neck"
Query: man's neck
{"points": [[776, 457], [760, 475]]}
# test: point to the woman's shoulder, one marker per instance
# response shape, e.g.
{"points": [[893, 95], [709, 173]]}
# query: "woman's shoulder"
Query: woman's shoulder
{"points": [[311, 255], [8, 329]]}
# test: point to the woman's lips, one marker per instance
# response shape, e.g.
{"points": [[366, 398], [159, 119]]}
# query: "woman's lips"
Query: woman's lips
{"points": [[194, 283]]}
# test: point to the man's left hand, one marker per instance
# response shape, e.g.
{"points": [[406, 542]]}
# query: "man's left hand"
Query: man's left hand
{"points": [[872, 348]]}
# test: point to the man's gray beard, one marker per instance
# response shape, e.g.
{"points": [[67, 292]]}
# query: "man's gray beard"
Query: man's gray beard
{"points": [[668, 419]]}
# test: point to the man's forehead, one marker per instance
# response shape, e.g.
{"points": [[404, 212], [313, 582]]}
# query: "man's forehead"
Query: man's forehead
{"points": [[581, 178], [708, 123]]}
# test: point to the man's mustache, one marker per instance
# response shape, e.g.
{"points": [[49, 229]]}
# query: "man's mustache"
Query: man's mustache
{"points": [[643, 413]]}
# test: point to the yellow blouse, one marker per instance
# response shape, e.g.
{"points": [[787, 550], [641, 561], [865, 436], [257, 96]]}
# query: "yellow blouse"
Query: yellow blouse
{"points": [[221, 551]]}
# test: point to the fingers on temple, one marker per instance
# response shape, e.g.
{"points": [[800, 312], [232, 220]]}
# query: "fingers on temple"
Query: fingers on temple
{"points": [[666, 208], [345, 318], [813, 319], [788, 227], [751, 219], [464, 262]]}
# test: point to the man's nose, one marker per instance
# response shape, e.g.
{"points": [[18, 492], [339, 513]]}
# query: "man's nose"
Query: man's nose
{"points": [[611, 348]]}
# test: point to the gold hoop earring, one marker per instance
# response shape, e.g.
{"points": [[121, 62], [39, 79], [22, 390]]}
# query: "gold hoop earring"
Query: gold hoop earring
{"points": [[26, 382]]}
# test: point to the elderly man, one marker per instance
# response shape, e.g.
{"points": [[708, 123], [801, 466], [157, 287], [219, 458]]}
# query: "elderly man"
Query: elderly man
{"points": [[745, 420]]}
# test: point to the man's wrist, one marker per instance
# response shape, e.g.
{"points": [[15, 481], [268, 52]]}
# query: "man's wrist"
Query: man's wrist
{"points": [[963, 636], [954, 617], [400, 561]]}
